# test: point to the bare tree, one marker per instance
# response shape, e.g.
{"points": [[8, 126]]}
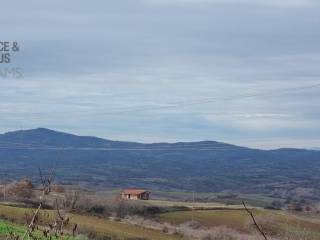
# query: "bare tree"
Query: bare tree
{"points": [[46, 182]]}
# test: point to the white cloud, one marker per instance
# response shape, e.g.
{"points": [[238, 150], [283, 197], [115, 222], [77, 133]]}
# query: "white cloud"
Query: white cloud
{"points": [[273, 3], [262, 121], [137, 54], [280, 142]]}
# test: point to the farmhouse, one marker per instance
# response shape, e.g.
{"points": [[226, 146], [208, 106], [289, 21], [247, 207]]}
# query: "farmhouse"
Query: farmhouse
{"points": [[135, 194]]}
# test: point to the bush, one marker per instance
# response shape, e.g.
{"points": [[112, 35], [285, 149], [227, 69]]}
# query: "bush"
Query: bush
{"points": [[22, 189], [275, 205], [97, 209], [58, 189]]}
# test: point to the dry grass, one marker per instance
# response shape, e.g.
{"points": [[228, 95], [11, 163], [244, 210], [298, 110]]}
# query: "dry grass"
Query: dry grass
{"points": [[235, 219], [196, 205], [225, 224], [194, 230], [282, 224]]}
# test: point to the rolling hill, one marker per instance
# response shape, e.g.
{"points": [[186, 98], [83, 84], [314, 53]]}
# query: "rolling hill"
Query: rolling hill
{"points": [[206, 166]]}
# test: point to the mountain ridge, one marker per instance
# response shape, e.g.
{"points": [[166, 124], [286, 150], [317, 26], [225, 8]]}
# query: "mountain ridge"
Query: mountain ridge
{"points": [[37, 134], [206, 166]]}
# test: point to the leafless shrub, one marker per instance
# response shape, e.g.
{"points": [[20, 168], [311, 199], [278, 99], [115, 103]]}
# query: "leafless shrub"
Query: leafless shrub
{"points": [[40, 221], [70, 199], [46, 182], [58, 189], [21, 190], [122, 208]]}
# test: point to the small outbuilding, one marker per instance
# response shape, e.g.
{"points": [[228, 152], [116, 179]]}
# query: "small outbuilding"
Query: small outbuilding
{"points": [[135, 194]]}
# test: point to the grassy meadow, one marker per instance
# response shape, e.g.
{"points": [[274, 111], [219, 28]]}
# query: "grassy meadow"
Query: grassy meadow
{"points": [[277, 223], [89, 224], [212, 215]]}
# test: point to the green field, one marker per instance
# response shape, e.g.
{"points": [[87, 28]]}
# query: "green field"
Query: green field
{"points": [[6, 226]]}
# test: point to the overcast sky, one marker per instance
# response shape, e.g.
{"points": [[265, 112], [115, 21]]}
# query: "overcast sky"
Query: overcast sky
{"points": [[240, 71]]}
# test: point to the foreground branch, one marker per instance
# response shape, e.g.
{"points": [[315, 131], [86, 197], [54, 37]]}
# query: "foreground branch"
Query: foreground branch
{"points": [[254, 221], [32, 222]]}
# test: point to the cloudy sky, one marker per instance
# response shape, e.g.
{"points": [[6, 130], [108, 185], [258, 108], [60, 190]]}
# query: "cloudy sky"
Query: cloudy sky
{"points": [[240, 71]]}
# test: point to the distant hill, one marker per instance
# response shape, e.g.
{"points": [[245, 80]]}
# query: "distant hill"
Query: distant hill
{"points": [[46, 138], [42, 137], [201, 166]]}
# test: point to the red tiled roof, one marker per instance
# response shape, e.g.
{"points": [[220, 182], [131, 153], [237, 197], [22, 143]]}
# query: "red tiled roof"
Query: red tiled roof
{"points": [[134, 191]]}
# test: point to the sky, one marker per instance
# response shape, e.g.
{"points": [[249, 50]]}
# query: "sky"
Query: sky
{"points": [[239, 71]]}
